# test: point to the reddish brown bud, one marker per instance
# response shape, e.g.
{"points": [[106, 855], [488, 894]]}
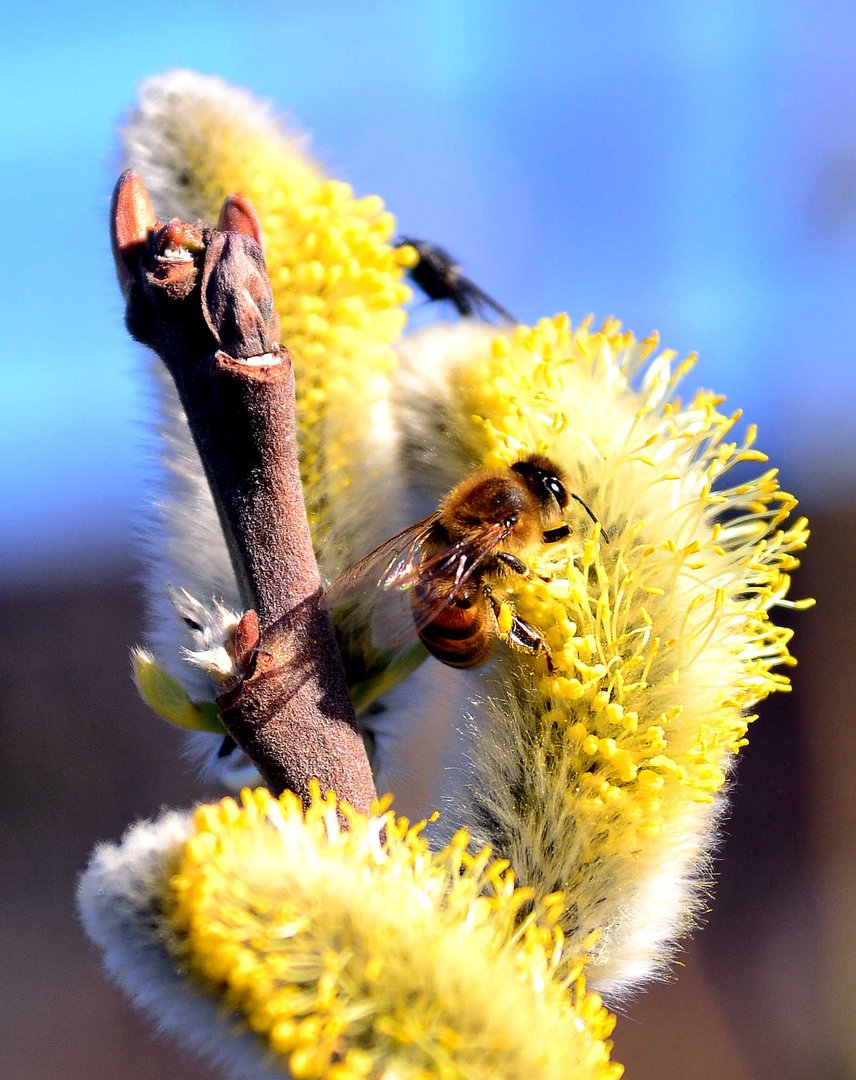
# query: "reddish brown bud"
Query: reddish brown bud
{"points": [[245, 641], [238, 215], [237, 301], [131, 220], [169, 260], [175, 236]]}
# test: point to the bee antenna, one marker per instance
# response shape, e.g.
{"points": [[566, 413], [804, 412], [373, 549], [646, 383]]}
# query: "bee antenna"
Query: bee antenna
{"points": [[590, 513]]}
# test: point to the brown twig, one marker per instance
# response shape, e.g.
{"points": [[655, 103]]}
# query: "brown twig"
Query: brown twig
{"points": [[201, 299]]}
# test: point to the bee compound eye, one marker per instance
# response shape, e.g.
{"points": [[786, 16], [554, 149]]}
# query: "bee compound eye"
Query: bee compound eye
{"points": [[557, 489]]}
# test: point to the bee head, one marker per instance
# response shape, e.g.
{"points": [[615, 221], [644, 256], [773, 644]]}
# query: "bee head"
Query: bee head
{"points": [[544, 481]]}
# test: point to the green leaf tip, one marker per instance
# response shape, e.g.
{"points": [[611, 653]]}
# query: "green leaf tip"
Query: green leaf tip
{"points": [[167, 697]]}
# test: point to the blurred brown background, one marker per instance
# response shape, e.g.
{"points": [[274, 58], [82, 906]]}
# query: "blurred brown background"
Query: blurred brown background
{"points": [[765, 989]]}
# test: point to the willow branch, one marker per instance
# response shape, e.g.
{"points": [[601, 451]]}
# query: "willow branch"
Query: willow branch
{"points": [[202, 300]]}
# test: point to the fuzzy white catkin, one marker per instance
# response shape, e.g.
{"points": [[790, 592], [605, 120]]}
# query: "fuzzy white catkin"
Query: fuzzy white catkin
{"points": [[117, 898]]}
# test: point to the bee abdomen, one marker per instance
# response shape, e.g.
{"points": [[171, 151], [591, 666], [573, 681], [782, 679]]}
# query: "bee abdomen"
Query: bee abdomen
{"points": [[459, 637], [460, 653]]}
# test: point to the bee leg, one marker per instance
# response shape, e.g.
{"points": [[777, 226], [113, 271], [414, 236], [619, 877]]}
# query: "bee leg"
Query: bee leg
{"points": [[513, 563], [519, 567], [516, 631], [524, 636], [553, 536]]}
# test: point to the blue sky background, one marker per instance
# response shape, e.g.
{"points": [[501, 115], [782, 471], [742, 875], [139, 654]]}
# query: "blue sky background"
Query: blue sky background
{"points": [[686, 167]]}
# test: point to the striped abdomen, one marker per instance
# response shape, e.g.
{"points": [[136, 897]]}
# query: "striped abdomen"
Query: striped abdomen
{"points": [[460, 633]]}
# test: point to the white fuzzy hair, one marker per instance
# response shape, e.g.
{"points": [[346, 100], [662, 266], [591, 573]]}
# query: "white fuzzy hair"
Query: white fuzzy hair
{"points": [[118, 898], [184, 549], [168, 101], [518, 812]]}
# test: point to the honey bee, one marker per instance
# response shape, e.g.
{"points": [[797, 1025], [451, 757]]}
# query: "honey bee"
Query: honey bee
{"points": [[439, 276], [448, 563]]}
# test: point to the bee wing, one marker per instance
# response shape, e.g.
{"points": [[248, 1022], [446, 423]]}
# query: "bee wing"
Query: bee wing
{"points": [[394, 560], [456, 564], [378, 585], [472, 300], [395, 618], [450, 571], [387, 574]]}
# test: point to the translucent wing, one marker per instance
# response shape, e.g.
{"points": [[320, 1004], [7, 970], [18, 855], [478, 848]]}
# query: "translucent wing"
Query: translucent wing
{"points": [[386, 575], [376, 589], [394, 560], [470, 299], [453, 566]]}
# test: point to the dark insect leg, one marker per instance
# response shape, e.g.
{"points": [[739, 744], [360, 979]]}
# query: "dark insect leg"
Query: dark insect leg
{"points": [[522, 634], [525, 636], [553, 536], [519, 567], [439, 276], [513, 563]]}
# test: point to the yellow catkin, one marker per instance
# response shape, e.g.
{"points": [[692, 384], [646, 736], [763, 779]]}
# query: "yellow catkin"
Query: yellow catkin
{"points": [[598, 776], [356, 953], [336, 275]]}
